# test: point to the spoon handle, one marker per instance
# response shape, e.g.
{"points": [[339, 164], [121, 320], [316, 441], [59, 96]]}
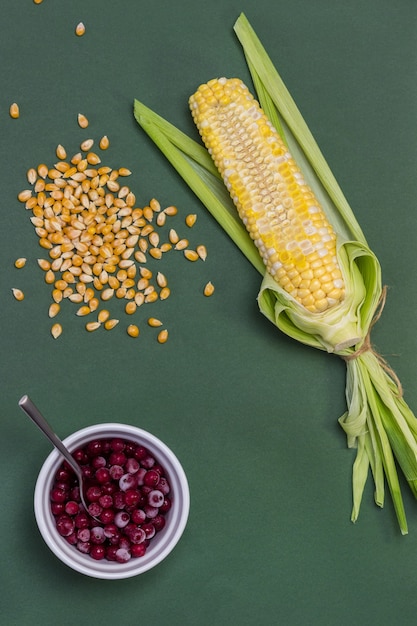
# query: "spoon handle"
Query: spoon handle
{"points": [[33, 412]]}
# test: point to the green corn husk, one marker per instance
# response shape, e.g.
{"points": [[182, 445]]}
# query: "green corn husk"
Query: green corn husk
{"points": [[377, 422]]}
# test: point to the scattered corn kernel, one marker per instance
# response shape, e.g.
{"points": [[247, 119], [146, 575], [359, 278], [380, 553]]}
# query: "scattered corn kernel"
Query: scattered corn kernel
{"points": [[14, 111], [24, 195], [103, 315], [61, 153], [83, 310], [191, 219], [49, 277], [56, 331], [80, 29], [208, 289], [92, 326], [191, 255], [130, 307], [37, 1], [154, 322], [123, 171], [163, 336], [19, 263], [181, 244], [82, 120], [161, 280], [54, 309], [104, 143], [31, 175], [86, 145], [165, 293], [18, 294], [133, 330], [110, 324], [202, 252], [171, 210]]}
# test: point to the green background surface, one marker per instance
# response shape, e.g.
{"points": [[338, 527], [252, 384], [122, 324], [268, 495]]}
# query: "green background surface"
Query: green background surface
{"points": [[251, 414]]}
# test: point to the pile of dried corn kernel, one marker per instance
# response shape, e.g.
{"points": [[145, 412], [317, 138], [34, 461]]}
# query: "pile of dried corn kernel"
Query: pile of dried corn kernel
{"points": [[97, 240]]}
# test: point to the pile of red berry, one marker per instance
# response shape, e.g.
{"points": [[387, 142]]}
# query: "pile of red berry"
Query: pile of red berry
{"points": [[126, 489]]}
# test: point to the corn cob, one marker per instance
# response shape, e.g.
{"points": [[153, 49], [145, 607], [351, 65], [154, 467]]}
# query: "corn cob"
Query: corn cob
{"points": [[281, 213]]}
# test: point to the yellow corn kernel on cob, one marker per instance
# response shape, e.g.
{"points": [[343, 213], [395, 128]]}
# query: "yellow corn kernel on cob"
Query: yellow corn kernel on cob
{"points": [[280, 211]]}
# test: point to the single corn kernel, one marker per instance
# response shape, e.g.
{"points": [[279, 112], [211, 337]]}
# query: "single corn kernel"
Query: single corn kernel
{"points": [[181, 244], [19, 263], [191, 219], [171, 210], [191, 255], [57, 295], [82, 120], [31, 175], [54, 309], [173, 236], [208, 289], [60, 152], [14, 111], [202, 252], [104, 143], [103, 315], [133, 330], [18, 294], [56, 331], [106, 294], [123, 171], [49, 277], [80, 29], [161, 280], [154, 322], [83, 310], [92, 326], [130, 307], [110, 324], [24, 195], [86, 146], [165, 293], [163, 336], [93, 304]]}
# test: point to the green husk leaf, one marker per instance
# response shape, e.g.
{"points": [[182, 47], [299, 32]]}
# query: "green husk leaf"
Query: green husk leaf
{"points": [[378, 422]]}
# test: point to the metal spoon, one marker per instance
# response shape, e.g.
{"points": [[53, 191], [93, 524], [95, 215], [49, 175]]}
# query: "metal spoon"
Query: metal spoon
{"points": [[33, 412]]}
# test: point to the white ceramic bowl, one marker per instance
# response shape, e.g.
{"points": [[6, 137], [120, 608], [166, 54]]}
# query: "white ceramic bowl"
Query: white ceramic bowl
{"points": [[160, 545]]}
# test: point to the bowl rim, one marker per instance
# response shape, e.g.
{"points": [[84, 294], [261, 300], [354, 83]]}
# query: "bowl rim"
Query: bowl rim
{"points": [[165, 540]]}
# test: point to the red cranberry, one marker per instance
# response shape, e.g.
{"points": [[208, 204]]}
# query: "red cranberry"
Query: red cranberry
{"points": [[132, 497], [98, 552], [164, 508], [127, 481], [107, 516], [57, 508], [84, 547], [65, 525], [64, 474], [138, 516], [94, 509], [137, 535], [158, 522], [80, 456], [117, 444], [98, 461], [94, 447], [119, 500], [106, 501], [82, 520], [123, 555], [140, 476], [148, 462], [149, 530], [94, 493], [138, 549], [117, 458], [111, 530], [97, 534], [156, 498], [111, 553], [83, 534], [58, 495], [102, 475], [72, 507], [132, 465], [151, 511], [116, 472], [72, 539], [163, 485], [108, 488], [140, 453], [151, 478], [121, 519]]}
